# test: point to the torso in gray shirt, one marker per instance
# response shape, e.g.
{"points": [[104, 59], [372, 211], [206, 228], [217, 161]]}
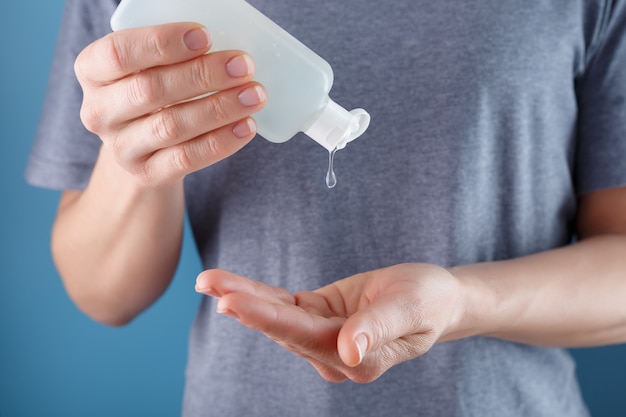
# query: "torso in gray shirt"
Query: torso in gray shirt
{"points": [[489, 119]]}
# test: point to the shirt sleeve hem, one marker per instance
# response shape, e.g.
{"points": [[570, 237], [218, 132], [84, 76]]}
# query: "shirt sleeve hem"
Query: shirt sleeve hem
{"points": [[57, 176]]}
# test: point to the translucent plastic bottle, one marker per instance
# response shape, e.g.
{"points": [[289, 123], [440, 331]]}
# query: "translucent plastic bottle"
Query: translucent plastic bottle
{"points": [[297, 79]]}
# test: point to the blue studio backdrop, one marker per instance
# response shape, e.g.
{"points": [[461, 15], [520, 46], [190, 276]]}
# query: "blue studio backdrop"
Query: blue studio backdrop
{"points": [[56, 362]]}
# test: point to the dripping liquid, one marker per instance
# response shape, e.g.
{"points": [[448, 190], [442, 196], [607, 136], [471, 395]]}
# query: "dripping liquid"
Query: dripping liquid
{"points": [[331, 179]]}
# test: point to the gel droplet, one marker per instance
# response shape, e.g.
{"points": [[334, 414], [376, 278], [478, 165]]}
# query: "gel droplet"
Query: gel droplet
{"points": [[331, 178]]}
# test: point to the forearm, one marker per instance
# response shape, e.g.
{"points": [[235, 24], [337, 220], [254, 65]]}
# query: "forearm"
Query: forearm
{"points": [[117, 244], [572, 296]]}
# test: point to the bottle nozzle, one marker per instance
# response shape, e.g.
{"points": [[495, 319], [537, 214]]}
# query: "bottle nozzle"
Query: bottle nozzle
{"points": [[336, 126]]}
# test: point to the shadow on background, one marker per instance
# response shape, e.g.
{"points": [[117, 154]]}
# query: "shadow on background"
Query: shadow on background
{"points": [[56, 362]]}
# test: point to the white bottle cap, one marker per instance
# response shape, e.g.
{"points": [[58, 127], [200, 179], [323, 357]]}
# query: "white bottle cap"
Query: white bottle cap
{"points": [[336, 126]]}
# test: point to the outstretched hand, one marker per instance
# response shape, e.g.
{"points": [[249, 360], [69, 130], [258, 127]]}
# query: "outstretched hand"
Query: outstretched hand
{"points": [[356, 328]]}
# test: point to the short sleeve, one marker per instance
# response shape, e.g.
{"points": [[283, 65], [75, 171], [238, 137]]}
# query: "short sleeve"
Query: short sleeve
{"points": [[64, 152], [601, 150]]}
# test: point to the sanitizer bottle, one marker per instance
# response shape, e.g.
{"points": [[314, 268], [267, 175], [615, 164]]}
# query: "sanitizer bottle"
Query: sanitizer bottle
{"points": [[297, 80]]}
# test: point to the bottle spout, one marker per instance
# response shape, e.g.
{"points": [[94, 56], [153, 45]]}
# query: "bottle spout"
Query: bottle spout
{"points": [[336, 126]]}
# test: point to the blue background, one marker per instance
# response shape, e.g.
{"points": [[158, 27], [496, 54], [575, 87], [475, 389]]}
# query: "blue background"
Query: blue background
{"points": [[56, 362]]}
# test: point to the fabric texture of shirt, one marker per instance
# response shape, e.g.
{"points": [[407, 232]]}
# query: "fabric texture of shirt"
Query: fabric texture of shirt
{"points": [[489, 119]]}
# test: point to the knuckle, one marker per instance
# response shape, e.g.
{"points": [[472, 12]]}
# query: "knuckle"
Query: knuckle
{"points": [[92, 117], [165, 127], [113, 53], [144, 173], [144, 89], [79, 67], [212, 146], [219, 108], [119, 153], [146, 170], [146, 176], [201, 74], [119, 148], [157, 44], [181, 160], [382, 329]]}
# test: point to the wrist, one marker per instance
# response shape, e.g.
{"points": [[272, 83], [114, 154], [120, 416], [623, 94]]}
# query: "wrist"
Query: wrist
{"points": [[476, 314]]}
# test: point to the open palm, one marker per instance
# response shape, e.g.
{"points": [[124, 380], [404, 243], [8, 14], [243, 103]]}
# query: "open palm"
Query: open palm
{"points": [[355, 328]]}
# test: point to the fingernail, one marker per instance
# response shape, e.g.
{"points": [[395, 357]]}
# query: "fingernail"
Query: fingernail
{"points": [[203, 286], [252, 96], [197, 39], [240, 66], [361, 344], [244, 128], [201, 283]]}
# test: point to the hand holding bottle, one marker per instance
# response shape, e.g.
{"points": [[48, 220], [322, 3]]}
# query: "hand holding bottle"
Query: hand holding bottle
{"points": [[138, 86], [297, 79]]}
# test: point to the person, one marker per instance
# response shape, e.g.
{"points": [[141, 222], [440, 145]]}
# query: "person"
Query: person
{"points": [[478, 227]]}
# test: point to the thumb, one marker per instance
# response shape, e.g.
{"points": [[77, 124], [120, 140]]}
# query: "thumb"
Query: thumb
{"points": [[387, 318]]}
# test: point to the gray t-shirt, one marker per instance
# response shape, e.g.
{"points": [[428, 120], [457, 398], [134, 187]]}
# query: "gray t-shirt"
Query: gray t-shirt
{"points": [[489, 119]]}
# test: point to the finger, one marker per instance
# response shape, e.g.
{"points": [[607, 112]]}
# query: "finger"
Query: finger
{"points": [[169, 165], [265, 319], [292, 327], [156, 88], [178, 124], [314, 303], [348, 295], [218, 282], [132, 50], [388, 318]]}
